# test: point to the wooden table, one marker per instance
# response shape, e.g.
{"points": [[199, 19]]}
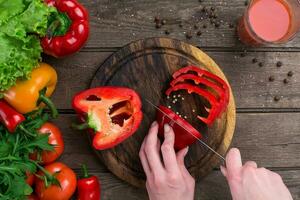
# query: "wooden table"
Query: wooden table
{"points": [[267, 131]]}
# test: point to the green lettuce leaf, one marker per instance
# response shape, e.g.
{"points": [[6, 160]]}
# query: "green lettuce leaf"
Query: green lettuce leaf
{"points": [[22, 23]]}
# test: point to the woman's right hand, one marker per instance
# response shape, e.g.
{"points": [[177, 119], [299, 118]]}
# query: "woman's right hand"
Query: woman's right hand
{"points": [[247, 182]]}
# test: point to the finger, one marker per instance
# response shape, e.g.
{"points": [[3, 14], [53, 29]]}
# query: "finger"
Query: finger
{"points": [[168, 152], [251, 164], [180, 160], [144, 161], [151, 152], [223, 170], [233, 162]]}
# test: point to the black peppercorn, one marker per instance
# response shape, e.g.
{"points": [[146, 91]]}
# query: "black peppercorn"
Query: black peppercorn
{"points": [[290, 74], [276, 98], [285, 81], [271, 78], [279, 64], [199, 33], [254, 60], [261, 64], [189, 35], [158, 25]]}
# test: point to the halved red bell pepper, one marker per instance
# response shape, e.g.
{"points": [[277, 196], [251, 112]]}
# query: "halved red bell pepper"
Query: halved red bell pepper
{"points": [[112, 114], [68, 29], [183, 137]]}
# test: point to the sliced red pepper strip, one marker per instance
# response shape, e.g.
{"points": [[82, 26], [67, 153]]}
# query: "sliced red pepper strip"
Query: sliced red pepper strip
{"points": [[70, 28], [183, 137], [202, 72], [112, 114], [223, 97], [215, 106]]}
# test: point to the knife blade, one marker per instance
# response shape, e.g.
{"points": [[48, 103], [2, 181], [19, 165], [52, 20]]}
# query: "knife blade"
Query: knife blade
{"points": [[201, 142]]}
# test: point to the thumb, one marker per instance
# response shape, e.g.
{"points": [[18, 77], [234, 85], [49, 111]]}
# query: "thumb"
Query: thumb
{"points": [[181, 155], [233, 163]]}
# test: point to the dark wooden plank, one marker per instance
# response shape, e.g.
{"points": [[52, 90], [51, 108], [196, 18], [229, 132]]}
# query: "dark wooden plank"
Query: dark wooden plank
{"points": [[249, 81], [271, 139], [213, 187], [115, 23]]}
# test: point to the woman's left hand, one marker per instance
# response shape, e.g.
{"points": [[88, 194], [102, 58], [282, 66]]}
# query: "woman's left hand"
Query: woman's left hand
{"points": [[167, 178]]}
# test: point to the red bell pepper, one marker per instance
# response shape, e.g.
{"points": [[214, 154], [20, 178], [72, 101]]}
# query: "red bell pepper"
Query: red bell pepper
{"points": [[214, 110], [183, 137], [112, 114], [10, 117], [88, 187], [221, 94], [68, 30], [217, 96]]}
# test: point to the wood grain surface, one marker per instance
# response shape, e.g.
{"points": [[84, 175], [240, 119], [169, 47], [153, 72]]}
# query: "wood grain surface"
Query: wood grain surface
{"points": [[116, 23], [275, 145], [146, 66], [267, 131]]}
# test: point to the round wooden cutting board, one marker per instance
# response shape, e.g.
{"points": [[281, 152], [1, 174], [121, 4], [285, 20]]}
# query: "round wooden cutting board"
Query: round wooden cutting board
{"points": [[146, 66]]}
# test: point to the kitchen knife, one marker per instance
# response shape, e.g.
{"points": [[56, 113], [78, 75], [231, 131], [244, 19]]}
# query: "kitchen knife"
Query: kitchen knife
{"points": [[202, 142]]}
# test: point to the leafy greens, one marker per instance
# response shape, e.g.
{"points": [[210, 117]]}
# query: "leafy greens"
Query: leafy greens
{"points": [[22, 22]]}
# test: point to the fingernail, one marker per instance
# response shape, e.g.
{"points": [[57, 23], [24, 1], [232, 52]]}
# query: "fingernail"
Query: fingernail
{"points": [[167, 128], [154, 123]]}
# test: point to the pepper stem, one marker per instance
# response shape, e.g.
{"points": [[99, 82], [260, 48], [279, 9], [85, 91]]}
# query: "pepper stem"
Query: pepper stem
{"points": [[50, 105], [58, 24], [85, 171], [80, 127]]}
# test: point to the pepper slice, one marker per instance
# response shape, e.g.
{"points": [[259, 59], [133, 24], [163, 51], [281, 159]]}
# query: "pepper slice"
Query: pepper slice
{"points": [[203, 73], [215, 106], [68, 30], [88, 187], [183, 137], [27, 95], [111, 113], [222, 94]]}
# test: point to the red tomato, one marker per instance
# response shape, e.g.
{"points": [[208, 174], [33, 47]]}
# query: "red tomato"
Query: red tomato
{"points": [[30, 178], [66, 178], [55, 139]]}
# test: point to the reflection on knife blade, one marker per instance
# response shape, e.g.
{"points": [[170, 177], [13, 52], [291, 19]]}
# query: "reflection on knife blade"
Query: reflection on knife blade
{"points": [[203, 143]]}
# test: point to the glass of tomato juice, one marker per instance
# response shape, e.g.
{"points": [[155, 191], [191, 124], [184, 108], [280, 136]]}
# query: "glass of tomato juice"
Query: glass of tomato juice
{"points": [[269, 22]]}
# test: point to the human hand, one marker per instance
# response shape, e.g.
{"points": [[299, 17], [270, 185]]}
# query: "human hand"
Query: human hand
{"points": [[167, 178], [247, 182]]}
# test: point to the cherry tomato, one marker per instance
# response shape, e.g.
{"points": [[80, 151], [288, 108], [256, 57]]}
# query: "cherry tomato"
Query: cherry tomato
{"points": [[55, 139], [30, 178], [66, 178]]}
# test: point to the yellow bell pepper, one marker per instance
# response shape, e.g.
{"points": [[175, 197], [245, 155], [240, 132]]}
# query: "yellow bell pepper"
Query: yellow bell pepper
{"points": [[28, 95]]}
